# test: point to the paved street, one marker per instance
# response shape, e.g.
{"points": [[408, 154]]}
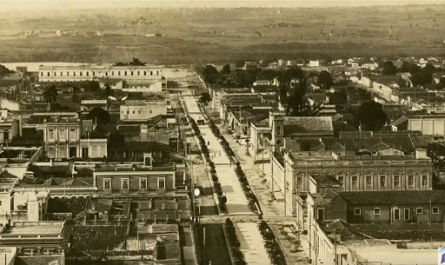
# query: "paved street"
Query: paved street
{"points": [[236, 201], [257, 182]]}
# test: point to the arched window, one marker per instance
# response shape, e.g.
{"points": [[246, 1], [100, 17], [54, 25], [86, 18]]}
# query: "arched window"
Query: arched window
{"points": [[88, 73], [48, 73], [61, 73], [138, 73], [125, 73], [55, 73], [94, 73], [80, 73], [41, 73], [112, 73], [74, 73], [119, 73], [67, 73], [106, 73], [151, 72], [157, 72], [278, 141], [145, 72], [131, 72]]}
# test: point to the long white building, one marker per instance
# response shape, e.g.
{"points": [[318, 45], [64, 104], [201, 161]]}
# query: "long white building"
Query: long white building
{"points": [[92, 72]]}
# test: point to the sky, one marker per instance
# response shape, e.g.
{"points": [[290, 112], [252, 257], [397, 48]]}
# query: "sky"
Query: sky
{"points": [[62, 4]]}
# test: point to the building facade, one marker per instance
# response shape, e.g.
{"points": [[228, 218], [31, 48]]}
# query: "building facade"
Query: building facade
{"points": [[92, 72], [140, 110], [293, 171]]}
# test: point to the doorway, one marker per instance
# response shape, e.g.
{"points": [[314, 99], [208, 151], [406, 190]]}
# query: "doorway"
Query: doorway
{"points": [[73, 152]]}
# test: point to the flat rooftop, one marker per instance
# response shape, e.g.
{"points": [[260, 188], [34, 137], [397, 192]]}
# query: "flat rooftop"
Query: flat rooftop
{"points": [[34, 228], [391, 255]]}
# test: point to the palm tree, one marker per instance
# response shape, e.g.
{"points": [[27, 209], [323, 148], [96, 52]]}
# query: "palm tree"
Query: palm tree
{"points": [[50, 95]]}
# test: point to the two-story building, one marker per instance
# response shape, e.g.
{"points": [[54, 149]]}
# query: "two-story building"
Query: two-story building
{"points": [[292, 173], [67, 137]]}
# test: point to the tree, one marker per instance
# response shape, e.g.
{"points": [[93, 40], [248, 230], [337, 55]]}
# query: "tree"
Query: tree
{"points": [[50, 95], [436, 151], [325, 80], [99, 115], [268, 74], [226, 69], [389, 68], [239, 64], [210, 74], [371, 116], [136, 62], [292, 73], [4, 70], [297, 105], [108, 91], [205, 98]]}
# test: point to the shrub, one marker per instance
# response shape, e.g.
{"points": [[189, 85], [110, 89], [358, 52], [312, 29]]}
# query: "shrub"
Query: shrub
{"points": [[234, 243]]}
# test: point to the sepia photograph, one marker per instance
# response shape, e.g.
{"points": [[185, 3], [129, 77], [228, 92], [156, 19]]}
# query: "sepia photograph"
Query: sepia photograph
{"points": [[222, 132]]}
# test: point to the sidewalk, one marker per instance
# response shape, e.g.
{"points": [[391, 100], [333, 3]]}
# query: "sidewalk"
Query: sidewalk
{"points": [[257, 182], [236, 200]]}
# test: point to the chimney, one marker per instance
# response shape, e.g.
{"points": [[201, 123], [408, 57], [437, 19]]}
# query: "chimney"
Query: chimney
{"points": [[51, 162], [20, 126]]}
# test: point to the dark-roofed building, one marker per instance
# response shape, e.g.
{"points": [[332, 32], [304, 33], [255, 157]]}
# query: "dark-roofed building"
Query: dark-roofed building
{"points": [[298, 127]]}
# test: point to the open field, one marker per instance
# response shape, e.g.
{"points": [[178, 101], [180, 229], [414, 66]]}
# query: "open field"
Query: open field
{"points": [[221, 35]]}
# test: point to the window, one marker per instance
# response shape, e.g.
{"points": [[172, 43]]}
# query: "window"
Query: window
{"points": [[62, 135], [396, 181], [134, 112], [112, 73], [151, 72], [355, 181], [61, 73], [143, 184], [131, 72], [106, 73], [376, 211], [48, 74], [139, 73], [51, 152], [341, 179], [396, 214], [419, 210], [50, 134], [107, 184], [72, 134], [382, 181], [80, 73], [41, 74], [150, 111], [161, 183], [320, 214], [74, 73], [139, 112], [424, 180], [145, 72], [157, 72], [125, 184], [278, 130], [55, 73], [435, 210], [357, 211], [125, 72], [406, 214], [88, 73], [62, 151], [369, 181], [118, 72], [67, 73], [94, 73], [411, 180]]}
